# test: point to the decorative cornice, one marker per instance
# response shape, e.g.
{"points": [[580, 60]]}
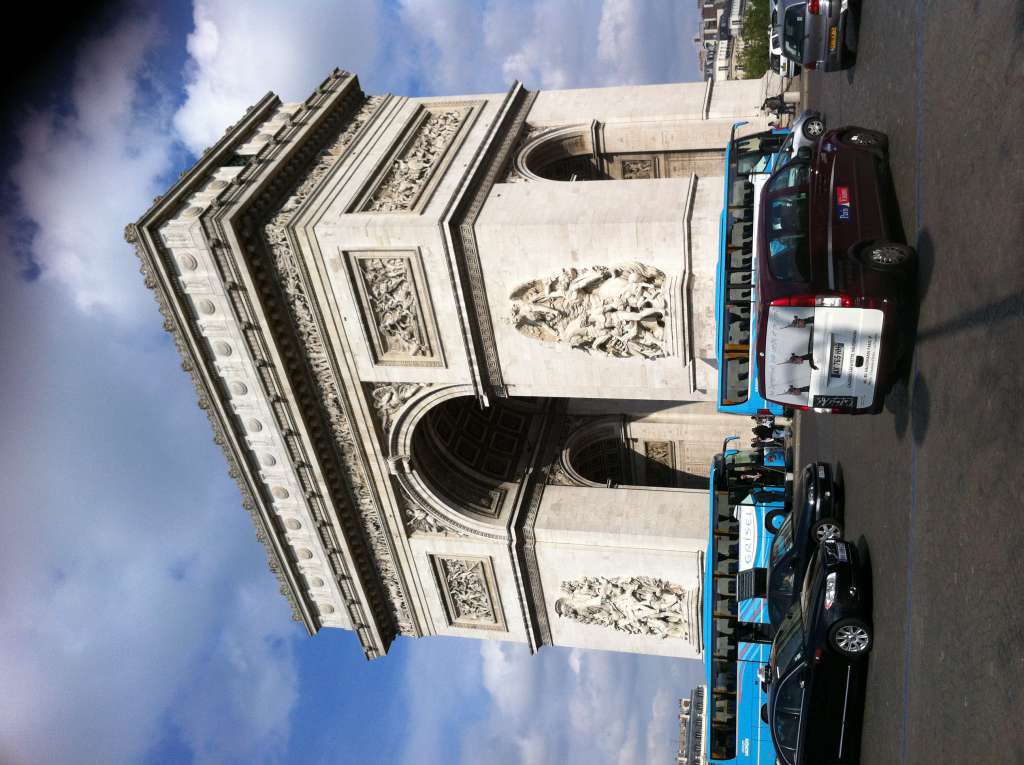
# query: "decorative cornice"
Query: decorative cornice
{"points": [[204, 395]]}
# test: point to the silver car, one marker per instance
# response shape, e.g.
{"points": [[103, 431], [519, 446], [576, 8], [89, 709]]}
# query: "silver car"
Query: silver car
{"points": [[820, 34], [808, 128]]}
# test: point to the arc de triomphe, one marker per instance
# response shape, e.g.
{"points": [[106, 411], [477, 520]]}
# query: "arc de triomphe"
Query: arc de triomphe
{"points": [[459, 352]]}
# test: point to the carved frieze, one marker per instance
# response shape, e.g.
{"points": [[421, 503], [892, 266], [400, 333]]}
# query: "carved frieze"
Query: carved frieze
{"points": [[469, 592], [292, 280], [395, 308], [411, 171], [617, 311], [636, 605]]}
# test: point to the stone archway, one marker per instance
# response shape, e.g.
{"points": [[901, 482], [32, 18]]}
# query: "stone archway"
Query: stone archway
{"points": [[460, 463]]}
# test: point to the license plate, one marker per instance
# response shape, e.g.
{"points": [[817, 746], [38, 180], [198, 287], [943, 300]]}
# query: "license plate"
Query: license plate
{"points": [[834, 402], [836, 362], [841, 552], [833, 38]]}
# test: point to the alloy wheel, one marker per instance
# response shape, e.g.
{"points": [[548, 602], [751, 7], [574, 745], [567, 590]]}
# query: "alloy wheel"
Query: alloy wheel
{"points": [[826, 530], [852, 638]]}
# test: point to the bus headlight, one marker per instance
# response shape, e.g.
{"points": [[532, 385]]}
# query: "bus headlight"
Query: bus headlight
{"points": [[830, 590]]}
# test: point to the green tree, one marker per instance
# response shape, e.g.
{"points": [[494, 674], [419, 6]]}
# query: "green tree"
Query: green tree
{"points": [[754, 56]]}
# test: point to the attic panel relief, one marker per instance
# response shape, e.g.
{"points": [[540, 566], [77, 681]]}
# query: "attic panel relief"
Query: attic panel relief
{"points": [[469, 593], [395, 308], [406, 184], [617, 311]]}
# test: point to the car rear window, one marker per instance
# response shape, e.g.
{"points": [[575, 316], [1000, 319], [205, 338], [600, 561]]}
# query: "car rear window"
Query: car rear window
{"points": [[793, 32]]}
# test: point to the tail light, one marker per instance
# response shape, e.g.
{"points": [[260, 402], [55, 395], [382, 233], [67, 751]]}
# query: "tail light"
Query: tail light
{"points": [[836, 300], [814, 6], [811, 65]]}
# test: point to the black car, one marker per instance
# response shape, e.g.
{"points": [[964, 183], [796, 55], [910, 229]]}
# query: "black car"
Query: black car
{"points": [[816, 516], [817, 667]]}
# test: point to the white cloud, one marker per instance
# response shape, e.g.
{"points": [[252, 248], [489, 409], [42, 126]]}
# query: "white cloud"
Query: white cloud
{"points": [[239, 51], [84, 172]]}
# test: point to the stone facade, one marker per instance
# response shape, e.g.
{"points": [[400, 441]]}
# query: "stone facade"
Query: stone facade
{"points": [[462, 391]]}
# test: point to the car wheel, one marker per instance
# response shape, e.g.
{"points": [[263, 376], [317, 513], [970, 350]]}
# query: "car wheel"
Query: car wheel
{"points": [[851, 637], [813, 128], [826, 528], [889, 256], [774, 519]]}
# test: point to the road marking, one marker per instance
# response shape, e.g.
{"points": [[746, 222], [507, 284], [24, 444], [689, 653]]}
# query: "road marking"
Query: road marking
{"points": [[918, 167]]}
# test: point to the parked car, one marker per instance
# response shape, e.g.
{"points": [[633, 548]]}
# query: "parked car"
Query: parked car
{"points": [[816, 515], [816, 670], [834, 275], [779, 63], [807, 130], [819, 34]]}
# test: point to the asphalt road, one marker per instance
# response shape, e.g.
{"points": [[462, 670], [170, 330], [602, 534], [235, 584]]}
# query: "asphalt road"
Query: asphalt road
{"points": [[935, 484]]}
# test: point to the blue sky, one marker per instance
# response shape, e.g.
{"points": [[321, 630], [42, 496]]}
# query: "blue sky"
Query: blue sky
{"points": [[138, 620]]}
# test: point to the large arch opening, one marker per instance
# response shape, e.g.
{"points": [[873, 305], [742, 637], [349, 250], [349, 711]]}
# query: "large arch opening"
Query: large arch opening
{"points": [[471, 458], [613, 452], [597, 152]]}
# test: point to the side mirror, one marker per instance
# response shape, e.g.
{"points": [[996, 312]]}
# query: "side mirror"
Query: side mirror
{"points": [[804, 152]]}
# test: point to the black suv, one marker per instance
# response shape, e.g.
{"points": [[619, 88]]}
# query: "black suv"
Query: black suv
{"points": [[815, 517]]}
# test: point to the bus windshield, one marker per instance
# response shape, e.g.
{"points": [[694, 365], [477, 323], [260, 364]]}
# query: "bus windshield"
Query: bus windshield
{"points": [[748, 163]]}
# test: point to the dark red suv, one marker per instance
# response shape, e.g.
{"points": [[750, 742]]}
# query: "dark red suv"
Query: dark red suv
{"points": [[833, 276]]}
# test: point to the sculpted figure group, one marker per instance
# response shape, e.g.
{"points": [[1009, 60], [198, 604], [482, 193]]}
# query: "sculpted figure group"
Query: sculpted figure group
{"points": [[616, 310], [638, 605]]}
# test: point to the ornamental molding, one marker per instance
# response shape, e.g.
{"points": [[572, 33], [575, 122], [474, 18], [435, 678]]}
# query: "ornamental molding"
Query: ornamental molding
{"points": [[636, 605], [468, 592]]}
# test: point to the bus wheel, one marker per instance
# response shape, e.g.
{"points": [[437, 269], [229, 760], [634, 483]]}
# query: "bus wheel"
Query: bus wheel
{"points": [[774, 519]]}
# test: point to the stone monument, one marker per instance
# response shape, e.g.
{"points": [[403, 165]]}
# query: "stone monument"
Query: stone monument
{"points": [[459, 352]]}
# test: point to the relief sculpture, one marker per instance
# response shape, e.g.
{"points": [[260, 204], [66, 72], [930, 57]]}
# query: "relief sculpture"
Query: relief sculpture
{"points": [[616, 310], [468, 590], [637, 605], [395, 318]]}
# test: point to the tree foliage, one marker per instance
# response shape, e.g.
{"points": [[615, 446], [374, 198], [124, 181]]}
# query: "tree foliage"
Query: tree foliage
{"points": [[754, 56]]}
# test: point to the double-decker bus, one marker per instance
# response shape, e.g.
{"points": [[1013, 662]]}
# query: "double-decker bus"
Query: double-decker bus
{"points": [[747, 487], [749, 161]]}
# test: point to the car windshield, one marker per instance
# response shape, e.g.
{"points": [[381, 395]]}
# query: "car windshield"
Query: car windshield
{"points": [[793, 32], [788, 642], [788, 254]]}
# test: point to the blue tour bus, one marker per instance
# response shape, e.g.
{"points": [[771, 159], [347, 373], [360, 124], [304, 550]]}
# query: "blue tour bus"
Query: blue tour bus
{"points": [[749, 160], [746, 487]]}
